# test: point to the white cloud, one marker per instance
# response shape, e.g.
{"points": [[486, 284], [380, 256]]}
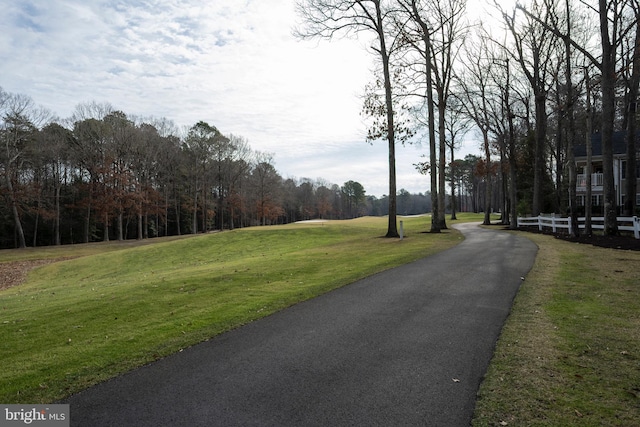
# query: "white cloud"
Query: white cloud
{"points": [[231, 63]]}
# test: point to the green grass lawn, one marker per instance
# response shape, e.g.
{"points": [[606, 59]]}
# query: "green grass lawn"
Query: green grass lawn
{"points": [[569, 354], [116, 306]]}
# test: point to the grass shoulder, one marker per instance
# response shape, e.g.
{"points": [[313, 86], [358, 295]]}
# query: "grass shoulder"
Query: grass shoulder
{"points": [[108, 308], [569, 352]]}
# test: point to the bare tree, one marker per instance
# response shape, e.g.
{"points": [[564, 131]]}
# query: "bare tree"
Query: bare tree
{"points": [[457, 125], [630, 72], [533, 50], [612, 30], [502, 116], [20, 119], [422, 42], [202, 142], [90, 153], [266, 187], [55, 149], [332, 18], [476, 98]]}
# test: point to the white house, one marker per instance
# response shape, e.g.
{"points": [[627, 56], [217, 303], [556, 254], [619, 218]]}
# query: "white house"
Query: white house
{"points": [[619, 170]]}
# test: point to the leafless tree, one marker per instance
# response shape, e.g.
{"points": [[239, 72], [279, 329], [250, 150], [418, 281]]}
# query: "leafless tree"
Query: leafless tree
{"points": [[612, 29], [333, 18], [534, 49], [630, 73], [436, 31], [20, 119], [477, 99]]}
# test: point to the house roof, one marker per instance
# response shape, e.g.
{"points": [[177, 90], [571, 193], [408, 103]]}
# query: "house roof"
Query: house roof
{"points": [[619, 144]]}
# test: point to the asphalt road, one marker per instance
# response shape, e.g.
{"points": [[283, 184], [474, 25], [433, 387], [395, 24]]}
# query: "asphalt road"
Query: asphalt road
{"points": [[406, 347]]}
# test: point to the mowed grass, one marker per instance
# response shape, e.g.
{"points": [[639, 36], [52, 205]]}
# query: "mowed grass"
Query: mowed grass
{"points": [[117, 306], [569, 353]]}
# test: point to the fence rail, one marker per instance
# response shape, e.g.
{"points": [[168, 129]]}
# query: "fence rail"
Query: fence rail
{"points": [[625, 223]]}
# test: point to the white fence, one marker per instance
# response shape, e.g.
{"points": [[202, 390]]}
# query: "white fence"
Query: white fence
{"points": [[625, 223]]}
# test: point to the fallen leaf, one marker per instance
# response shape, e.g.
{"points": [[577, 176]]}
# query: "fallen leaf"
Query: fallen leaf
{"points": [[504, 423], [455, 380]]}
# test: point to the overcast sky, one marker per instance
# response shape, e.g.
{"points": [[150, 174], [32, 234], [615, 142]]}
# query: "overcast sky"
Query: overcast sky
{"points": [[231, 63]]}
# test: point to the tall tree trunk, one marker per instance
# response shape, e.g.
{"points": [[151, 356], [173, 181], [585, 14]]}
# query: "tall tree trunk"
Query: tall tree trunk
{"points": [[87, 224], [56, 221], [506, 206], [392, 228], [433, 168], [178, 216], [608, 116], [194, 222], [559, 148], [487, 177], [36, 223], [21, 243], [220, 211], [442, 161], [539, 163], [511, 146], [204, 207], [631, 181], [513, 165], [120, 225], [454, 206], [140, 226], [105, 237], [573, 177], [588, 204]]}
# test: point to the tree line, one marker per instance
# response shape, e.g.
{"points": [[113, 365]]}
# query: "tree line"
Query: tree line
{"points": [[102, 175], [540, 79]]}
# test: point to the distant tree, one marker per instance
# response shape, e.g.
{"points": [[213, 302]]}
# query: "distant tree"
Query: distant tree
{"points": [[266, 183], [121, 139], [324, 198], [354, 195], [19, 118], [456, 125], [55, 146], [475, 100], [202, 142], [92, 155], [306, 199]]}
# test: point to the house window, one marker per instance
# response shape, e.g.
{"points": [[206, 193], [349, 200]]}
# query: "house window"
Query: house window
{"points": [[624, 169], [596, 200], [638, 199], [580, 200]]}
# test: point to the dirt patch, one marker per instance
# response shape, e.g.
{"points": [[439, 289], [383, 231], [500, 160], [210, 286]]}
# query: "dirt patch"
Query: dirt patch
{"points": [[14, 273]]}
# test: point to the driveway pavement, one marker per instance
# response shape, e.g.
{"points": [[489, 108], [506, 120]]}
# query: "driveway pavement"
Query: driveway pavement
{"points": [[406, 347]]}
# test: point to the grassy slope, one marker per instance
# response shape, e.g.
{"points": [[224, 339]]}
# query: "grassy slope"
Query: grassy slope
{"points": [[569, 353], [118, 306]]}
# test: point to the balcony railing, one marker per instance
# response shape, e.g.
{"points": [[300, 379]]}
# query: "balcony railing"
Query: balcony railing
{"points": [[596, 181]]}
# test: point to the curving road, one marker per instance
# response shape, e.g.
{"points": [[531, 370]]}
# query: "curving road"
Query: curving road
{"points": [[408, 347]]}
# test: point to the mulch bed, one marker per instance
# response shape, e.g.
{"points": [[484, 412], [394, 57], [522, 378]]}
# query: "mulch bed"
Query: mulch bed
{"points": [[622, 241]]}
